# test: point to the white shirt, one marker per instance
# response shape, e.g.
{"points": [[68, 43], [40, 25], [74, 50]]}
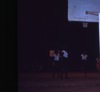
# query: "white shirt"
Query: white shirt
{"points": [[65, 54], [84, 56], [56, 57]]}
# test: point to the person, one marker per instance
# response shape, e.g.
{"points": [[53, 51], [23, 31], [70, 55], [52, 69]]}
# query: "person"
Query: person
{"points": [[64, 63], [84, 63], [56, 64], [51, 60], [98, 65]]}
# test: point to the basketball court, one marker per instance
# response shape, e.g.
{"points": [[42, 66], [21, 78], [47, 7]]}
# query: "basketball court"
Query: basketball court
{"points": [[84, 12]]}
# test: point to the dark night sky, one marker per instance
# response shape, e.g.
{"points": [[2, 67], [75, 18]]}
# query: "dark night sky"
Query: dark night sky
{"points": [[43, 25]]}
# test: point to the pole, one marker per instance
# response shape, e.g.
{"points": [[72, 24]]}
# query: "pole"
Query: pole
{"points": [[99, 35]]}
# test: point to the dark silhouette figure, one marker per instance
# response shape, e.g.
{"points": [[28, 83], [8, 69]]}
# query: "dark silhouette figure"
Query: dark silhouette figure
{"points": [[84, 63], [98, 65], [56, 68], [64, 63]]}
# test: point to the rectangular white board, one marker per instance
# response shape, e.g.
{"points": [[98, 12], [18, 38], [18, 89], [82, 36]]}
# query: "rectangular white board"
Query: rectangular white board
{"points": [[77, 10]]}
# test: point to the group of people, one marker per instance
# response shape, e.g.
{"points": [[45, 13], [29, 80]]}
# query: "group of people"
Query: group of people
{"points": [[61, 63]]}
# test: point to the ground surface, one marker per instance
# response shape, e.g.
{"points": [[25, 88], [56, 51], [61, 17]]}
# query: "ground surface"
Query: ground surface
{"points": [[43, 82]]}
